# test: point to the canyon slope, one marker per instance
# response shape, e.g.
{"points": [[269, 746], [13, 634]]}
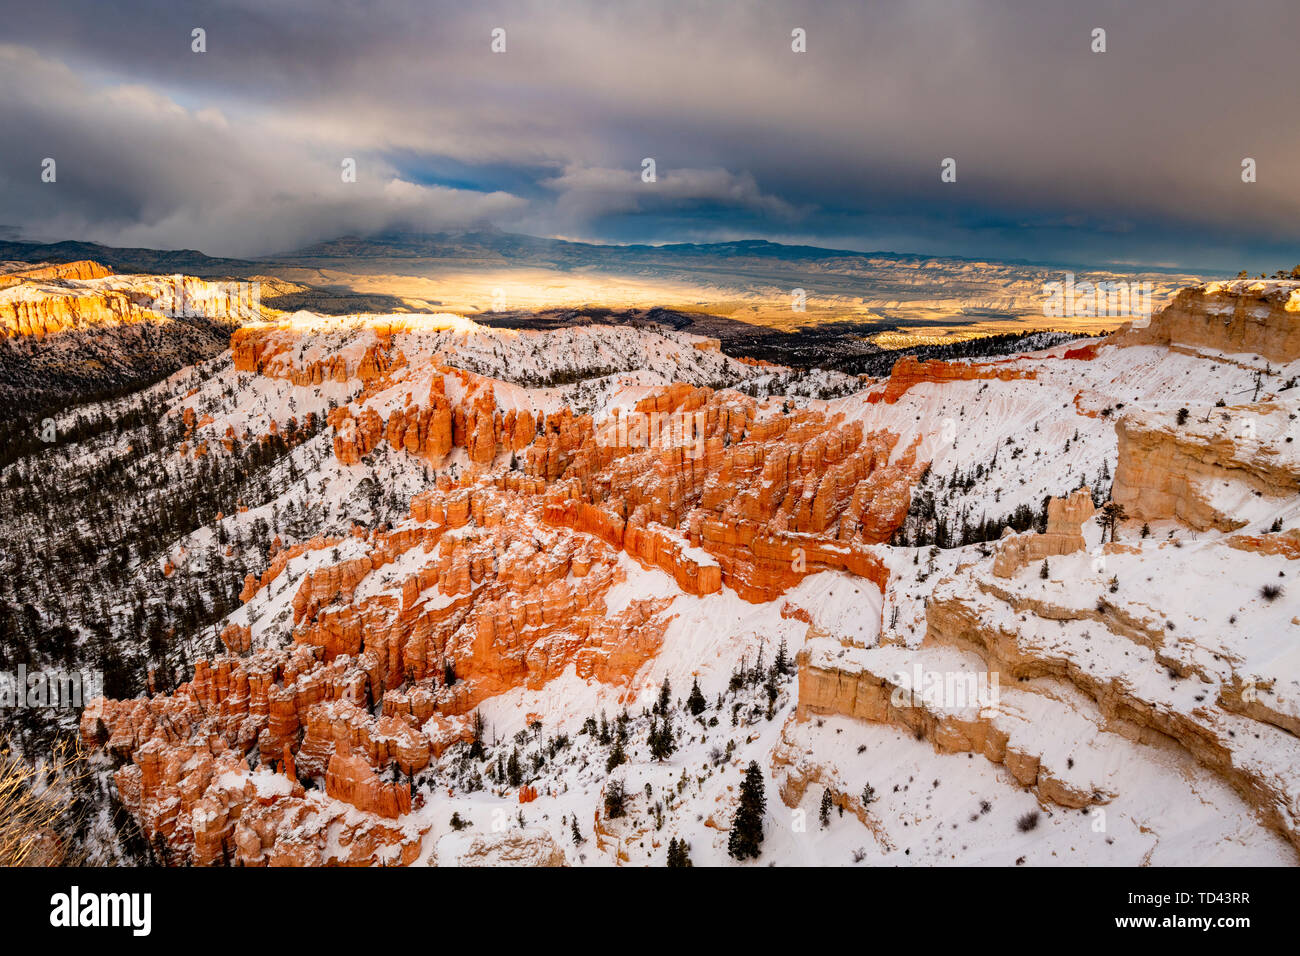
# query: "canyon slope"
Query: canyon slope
{"points": [[450, 582]]}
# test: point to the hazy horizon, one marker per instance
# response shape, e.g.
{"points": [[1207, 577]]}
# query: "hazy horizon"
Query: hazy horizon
{"points": [[8, 234]]}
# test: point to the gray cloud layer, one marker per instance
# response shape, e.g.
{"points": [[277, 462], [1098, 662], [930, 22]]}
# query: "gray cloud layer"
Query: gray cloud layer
{"points": [[1133, 154]]}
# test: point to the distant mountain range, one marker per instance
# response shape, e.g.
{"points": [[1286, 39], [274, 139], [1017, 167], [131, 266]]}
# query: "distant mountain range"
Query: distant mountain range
{"points": [[157, 261], [486, 244], [761, 283]]}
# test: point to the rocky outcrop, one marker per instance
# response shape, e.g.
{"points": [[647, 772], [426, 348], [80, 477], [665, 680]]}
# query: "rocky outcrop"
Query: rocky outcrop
{"points": [[268, 349], [53, 313], [528, 847], [960, 716], [33, 305], [280, 558], [753, 504], [691, 482], [1127, 685], [1200, 471], [1245, 315], [1064, 535], [503, 602], [81, 269], [432, 429], [908, 371], [352, 780], [1285, 543], [66, 335], [186, 775], [315, 831]]}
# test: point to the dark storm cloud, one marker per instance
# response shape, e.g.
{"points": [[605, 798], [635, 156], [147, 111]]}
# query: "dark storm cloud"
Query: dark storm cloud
{"points": [[1061, 153]]}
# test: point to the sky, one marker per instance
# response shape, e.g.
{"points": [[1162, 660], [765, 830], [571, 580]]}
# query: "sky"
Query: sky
{"points": [[1129, 156]]}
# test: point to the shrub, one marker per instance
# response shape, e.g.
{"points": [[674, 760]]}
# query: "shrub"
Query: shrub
{"points": [[615, 800]]}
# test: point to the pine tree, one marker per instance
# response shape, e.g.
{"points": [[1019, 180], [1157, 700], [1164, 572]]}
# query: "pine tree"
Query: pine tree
{"points": [[679, 853], [665, 695], [662, 745], [746, 837], [615, 800], [1112, 513], [616, 756], [476, 745], [782, 659], [577, 834], [1044, 572], [695, 703], [824, 814]]}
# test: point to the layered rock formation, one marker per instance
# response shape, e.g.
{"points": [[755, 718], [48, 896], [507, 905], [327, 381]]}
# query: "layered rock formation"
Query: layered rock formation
{"points": [[1054, 691], [76, 328], [1204, 470], [1064, 535], [909, 371], [1261, 317], [1224, 742], [51, 314], [755, 504], [187, 778], [431, 429], [81, 269], [266, 350], [689, 481], [81, 295]]}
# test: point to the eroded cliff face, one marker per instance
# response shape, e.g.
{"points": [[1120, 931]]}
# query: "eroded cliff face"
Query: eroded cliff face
{"points": [[1062, 678], [78, 326], [1205, 471], [692, 481], [80, 295], [961, 713], [431, 428], [1222, 738], [753, 504], [186, 774], [909, 372], [81, 269], [1077, 692], [1261, 317], [1064, 535]]}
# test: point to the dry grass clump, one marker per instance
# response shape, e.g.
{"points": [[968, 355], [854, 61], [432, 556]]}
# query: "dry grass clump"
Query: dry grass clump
{"points": [[38, 805]]}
